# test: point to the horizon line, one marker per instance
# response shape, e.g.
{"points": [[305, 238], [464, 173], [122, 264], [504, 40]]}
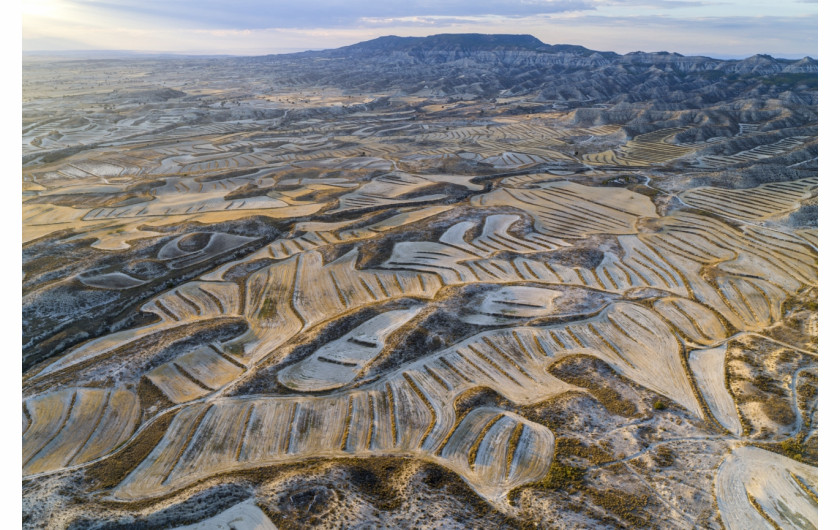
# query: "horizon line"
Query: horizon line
{"points": [[289, 51]]}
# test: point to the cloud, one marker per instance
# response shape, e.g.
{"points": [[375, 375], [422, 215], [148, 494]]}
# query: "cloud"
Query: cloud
{"points": [[716, 36], [418, 21], [665, 4], [262, 14]]}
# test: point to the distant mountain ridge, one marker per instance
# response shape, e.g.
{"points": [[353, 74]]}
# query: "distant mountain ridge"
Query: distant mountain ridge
{"points": [[467, 44], [513, 65]]}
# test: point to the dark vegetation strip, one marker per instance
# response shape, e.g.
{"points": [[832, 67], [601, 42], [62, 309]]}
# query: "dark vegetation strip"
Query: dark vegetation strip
{"points": [[116, 467], [761, 512], [346, 432], [513, 444], [191, 377], [393, 418], [245, 428], [228, 358]]}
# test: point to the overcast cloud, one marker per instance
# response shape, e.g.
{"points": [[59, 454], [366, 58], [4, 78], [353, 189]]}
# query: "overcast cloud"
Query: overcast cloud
{"points": [[786, 28]]}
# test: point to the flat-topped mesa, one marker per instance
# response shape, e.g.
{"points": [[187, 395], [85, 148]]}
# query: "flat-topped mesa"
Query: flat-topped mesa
{"points": [[475, 66]]}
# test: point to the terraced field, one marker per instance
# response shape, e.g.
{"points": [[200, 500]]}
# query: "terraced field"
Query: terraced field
{"points": [[259, 305], [756, 153], [74, 426], [765, 201], [643, 150]]}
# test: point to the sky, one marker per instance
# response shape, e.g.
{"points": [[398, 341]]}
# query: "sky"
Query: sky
{"points": [[717, 28]]}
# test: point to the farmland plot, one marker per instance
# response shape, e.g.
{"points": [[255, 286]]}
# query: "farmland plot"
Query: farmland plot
{"points": [[751, 302], [506, 305], [759, 268], [42, 219], [278, 302], [759, 489], [241, 434], [508, 159], [189, 249], [75, 425], [696, 322], [565, 209], [708, 367], [350, 162], [184, 196], [809, 235], [242, 516], [456, 261], [756, 153], [386, 190], [302, 291], [644, 150], [111, 280], [340, 361], [195, 374], [767, 200]]}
